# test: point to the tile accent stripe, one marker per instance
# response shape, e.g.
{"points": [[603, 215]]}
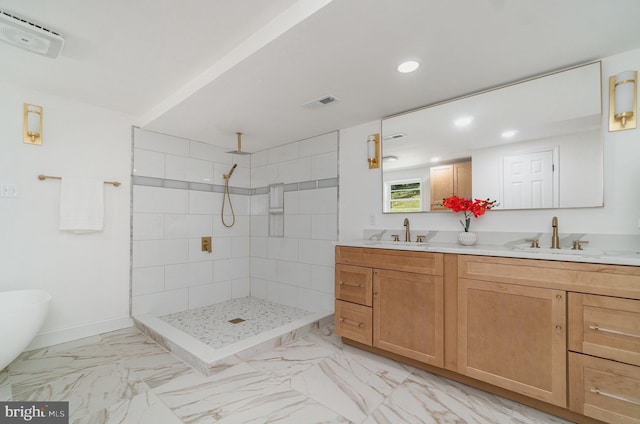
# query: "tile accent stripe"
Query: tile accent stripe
{"points": [[218, 188]]}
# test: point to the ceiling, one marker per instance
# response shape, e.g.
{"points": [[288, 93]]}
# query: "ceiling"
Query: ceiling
{"points": [[204, 69]]}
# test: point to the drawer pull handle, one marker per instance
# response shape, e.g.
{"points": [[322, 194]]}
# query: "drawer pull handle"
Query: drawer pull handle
{"points": [[612, 396], [596, 327], [348, 321], [351, 284]]}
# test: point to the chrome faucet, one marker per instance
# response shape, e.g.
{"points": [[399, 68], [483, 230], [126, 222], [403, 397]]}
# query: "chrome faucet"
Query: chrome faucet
{"points": [[555, 240], [407, 233]]}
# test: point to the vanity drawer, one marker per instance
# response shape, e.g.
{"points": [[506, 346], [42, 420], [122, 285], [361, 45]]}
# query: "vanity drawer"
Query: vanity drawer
{"points": [[354, 322], [604, 326], [397, 260], [604, 389], [353, 284]]}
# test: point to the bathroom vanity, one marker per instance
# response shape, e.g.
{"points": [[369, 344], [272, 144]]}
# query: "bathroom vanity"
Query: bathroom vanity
{"points": [[562, 336]]}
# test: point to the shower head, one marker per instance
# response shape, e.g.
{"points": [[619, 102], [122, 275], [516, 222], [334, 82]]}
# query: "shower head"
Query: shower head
{"points": [[239, 151], [233, 168]]}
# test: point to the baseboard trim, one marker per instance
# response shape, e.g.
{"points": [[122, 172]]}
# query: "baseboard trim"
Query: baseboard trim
{"points": [[75, 333]]}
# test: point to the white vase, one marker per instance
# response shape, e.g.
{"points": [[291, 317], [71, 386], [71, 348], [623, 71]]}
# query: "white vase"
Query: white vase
{"points": [[467, 238]]}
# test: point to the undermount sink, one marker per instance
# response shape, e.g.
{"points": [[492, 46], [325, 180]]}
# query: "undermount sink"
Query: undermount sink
{"points": [[548, 250]]}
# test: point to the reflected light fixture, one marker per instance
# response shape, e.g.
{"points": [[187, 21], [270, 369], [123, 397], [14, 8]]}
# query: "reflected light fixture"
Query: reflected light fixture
{"points": [[408, 66], [623, 101], [373, 151], [32, 129]]}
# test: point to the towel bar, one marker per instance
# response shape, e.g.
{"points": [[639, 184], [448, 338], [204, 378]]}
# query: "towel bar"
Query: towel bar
{"points": [[44, 177]]}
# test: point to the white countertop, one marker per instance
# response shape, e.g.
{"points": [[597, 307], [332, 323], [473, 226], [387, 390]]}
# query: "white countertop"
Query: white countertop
{"points": [[615, 257]]}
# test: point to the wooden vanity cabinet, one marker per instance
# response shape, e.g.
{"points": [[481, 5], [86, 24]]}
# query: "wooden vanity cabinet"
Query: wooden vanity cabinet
{"points": [[405, 300], [563, 337]]}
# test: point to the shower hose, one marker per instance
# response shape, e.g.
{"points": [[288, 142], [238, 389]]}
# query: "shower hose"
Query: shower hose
{"points": [[224, 197]]}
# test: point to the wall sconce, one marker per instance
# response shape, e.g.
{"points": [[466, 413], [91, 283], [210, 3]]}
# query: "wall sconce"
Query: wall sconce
{"points": [[32, 133], [373, 151], [623, 101]]}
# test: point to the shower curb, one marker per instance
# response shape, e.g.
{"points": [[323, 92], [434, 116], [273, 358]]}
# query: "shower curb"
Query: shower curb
{"points": [[209, 360]]}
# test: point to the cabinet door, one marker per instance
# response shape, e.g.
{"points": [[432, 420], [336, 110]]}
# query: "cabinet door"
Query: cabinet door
{"points": [[514, 337], [462, 179], [408, 315], [440, 185]]}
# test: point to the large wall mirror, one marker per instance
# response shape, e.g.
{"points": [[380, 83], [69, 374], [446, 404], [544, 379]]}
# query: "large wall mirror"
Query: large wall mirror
{"points": [[529, 145]]}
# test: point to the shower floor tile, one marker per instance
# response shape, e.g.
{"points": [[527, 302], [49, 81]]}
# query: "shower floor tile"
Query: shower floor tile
{"points": [[211, 324], [207, 340]]}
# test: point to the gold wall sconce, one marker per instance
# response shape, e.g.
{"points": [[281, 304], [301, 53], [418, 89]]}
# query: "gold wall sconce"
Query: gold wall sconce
{"points": [[373, 151], [623, 101], [32, 133]]}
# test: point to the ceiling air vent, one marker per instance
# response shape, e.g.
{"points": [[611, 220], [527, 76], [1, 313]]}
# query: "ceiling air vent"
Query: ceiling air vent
{"points": [[29, 36], [321, 102], [394, 136]]}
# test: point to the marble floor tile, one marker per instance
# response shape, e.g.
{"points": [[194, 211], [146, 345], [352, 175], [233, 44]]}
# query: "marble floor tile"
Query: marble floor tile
{"points": [[196, 399], [5, 385], [125, 377], [156, 369], [144, 408], [280, 405], [38, 367], [426, 398], [131, 343], [87, 391], [352, 385], [287, 361]]}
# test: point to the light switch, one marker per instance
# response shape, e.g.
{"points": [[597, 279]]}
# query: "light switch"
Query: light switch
{"points": [[9, 190]]}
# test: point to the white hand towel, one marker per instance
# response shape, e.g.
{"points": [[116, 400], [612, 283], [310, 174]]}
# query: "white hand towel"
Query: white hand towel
{"points": [[81, 205]]}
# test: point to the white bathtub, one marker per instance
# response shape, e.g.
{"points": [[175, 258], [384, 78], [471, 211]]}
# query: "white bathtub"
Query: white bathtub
{"points": [[22, 313]]}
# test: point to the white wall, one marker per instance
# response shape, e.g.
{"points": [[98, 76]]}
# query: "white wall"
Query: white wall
{"points": [[360, 188], [87, 275]]}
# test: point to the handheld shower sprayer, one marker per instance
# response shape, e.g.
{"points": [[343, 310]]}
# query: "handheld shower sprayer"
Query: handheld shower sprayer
{"points": [[227, 176], [226, 195]]}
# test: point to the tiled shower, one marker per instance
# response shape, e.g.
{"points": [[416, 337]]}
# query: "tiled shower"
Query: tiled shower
{"points": [[177, 199]]}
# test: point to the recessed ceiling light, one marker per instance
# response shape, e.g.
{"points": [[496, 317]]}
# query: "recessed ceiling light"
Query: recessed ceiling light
{"points": [[435, 159], [463, 121], [408, 66], [509, 133], [390, 158]]}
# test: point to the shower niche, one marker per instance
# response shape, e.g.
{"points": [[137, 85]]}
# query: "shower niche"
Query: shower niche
{"points": [[276, 210]]}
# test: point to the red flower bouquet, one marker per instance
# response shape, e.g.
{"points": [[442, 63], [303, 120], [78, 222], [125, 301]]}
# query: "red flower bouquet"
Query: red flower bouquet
{"points": [[475, 207]]}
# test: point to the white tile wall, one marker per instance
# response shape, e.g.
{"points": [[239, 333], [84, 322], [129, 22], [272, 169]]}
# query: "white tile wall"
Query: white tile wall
{"points": [[171, 273]]}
